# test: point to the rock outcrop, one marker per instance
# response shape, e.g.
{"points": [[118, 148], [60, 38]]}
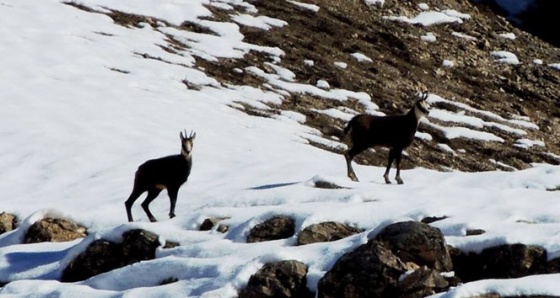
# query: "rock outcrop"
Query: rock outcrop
{"points": [[8, 222], [103, 255], [278, 227], [54, 230], [282, 279], [325, 232]]}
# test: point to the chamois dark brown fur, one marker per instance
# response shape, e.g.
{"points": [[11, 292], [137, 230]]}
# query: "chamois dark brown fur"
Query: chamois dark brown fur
{"points": [[155, 175], [392, 132]]}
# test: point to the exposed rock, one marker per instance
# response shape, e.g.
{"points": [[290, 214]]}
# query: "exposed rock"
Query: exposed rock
{"points": [[279, 280], [325, 232], [8, 222], [431, 219], [421, 282], [505, 261], [475, 232], [371, 270], [419, 243], [99, 257], [103, 256], [210, 223], [170, 244], [54, 230], [139, 245], [278, 227], [169, 280]]}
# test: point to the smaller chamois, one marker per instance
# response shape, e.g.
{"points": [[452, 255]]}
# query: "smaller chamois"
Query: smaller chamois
{"points": [[155, 175], [392, 132]]}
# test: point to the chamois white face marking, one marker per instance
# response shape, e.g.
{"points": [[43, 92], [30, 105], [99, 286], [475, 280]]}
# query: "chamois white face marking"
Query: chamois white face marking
{"points": [[421, 109], [187, 144]]}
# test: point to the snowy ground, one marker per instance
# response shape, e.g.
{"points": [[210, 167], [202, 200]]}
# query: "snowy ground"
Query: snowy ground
{"points": [[82, 108]]}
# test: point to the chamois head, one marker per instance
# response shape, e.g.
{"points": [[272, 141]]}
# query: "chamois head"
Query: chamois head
{"points": [[187, 143], [421, 106]]}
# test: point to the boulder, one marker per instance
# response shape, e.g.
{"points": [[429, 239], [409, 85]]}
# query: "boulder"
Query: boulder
{"points": [[282, 279], [139, 245], [504, 261], [371, 270], [8, 222], [418, 243], [103, 255], [54, 230], [100, 256], [325, 232], [421, 282], [278, 227], [209, 223]]}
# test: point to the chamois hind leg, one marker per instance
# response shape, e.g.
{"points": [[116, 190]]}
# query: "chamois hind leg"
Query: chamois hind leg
{"points": [[172, 192], [398, 161], [349, 155], [392, 156], [130, 201], [152, 194]]}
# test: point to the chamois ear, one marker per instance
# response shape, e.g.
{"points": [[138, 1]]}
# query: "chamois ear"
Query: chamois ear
{"points": [[422, 96], [193, 135]]}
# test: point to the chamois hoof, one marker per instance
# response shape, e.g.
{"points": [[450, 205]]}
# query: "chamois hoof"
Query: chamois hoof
{"points": [[353, 177], [387, 181], [399, 180], [153, 219]]}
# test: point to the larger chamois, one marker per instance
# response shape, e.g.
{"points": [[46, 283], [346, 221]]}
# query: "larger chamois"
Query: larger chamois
{"points": [[392, 132], [155, 175]]}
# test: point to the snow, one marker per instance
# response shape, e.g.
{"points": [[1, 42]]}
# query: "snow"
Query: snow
{"points": [[308, 6], [507, 35], [429, 37], [448, 63], [341, 65], [361, 57], [505, 57], [555, 65], [374, 2], [462, 35], [262, 22], [429, 18], [75, 130]]}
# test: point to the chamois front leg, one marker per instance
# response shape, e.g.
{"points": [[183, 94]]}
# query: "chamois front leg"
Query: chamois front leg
{"points": [[392, 156], [172, 192], [398, 161]]}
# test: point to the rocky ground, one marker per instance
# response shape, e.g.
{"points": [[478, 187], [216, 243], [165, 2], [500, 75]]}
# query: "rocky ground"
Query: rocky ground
{"points": [[403, 65]]}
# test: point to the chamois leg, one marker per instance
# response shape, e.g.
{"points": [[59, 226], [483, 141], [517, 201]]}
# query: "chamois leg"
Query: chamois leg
{"points": [[392, 156], [349, 155], [398, 161], [130, 201], [172, 192], [152, 194]]}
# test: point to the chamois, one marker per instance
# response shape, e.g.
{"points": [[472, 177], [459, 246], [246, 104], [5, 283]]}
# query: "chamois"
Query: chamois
{"points": [[392, 132], [155, 175]]}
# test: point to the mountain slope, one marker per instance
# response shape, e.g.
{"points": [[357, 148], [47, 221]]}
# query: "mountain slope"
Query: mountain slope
{"points": [[94, 88]]}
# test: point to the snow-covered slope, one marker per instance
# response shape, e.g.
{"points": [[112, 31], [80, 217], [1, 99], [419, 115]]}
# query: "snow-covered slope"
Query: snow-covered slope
{"points": [[85, 101]]}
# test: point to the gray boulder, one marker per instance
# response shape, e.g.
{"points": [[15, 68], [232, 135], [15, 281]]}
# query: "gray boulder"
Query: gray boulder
{"points": [[325, 232], [54, 230], [278, 227], [419, 243], [282, 279]]}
